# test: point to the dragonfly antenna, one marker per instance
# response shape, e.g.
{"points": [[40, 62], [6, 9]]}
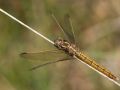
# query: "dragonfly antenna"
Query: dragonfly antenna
{"points": [[28, 27]]}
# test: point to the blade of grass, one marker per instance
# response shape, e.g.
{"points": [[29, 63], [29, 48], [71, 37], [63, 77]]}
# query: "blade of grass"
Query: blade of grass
{"points": [[28, 27]]}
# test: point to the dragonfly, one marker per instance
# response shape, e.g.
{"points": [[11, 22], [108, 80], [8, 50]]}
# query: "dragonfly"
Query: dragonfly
{"points": [[67, 49]]}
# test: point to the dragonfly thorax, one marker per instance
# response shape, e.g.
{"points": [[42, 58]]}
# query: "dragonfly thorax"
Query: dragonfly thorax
{"points": [[66, 46]]}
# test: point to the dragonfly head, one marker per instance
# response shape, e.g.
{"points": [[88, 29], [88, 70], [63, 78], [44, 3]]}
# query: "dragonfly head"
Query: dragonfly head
{"points": [[62, 44]]}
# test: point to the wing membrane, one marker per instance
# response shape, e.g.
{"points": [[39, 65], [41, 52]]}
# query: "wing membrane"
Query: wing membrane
{"points": [[66, 27], [45, 57], [35, 67]]}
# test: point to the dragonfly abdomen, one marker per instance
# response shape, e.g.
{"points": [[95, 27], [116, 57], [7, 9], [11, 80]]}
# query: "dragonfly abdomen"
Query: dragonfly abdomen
{"points": [[95, 65], [73, 51]]}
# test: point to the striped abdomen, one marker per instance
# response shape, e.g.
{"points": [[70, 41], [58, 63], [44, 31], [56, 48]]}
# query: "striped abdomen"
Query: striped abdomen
{"points": [[96, 66]]}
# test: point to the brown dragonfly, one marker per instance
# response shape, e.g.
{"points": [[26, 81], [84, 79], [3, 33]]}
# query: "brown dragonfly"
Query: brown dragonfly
{"points": [[67, 50]]}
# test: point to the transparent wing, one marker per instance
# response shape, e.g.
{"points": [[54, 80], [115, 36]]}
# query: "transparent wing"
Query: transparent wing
{"points": [[37, 66], [45, 57], [66, 26]]}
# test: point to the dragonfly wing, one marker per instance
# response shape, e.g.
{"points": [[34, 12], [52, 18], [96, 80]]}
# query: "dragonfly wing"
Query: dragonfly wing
{"points": [[41, 65], [66, 26], [45, 57]]}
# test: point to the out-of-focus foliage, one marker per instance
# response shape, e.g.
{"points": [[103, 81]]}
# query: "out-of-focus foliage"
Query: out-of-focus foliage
{"points": [[97, 31]]}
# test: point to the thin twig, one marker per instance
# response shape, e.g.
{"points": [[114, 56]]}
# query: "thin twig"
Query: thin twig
{"points": [[28, 27]]}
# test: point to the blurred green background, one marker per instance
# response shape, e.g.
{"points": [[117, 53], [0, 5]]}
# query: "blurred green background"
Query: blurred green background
{"points": [[97, 30]]}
